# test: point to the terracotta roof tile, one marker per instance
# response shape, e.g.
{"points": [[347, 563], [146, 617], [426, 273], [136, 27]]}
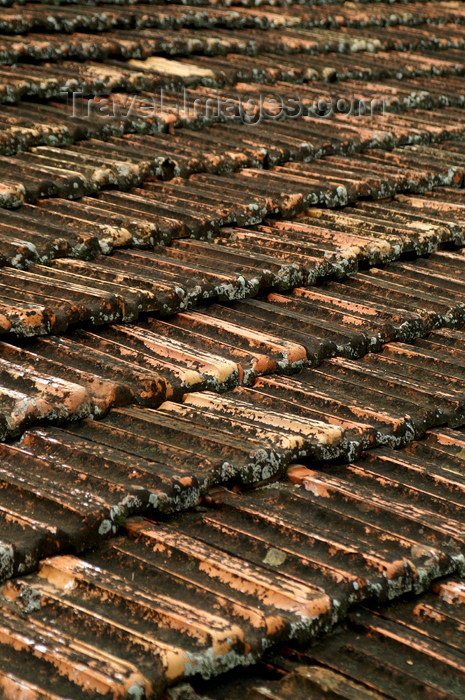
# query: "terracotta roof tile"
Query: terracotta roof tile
{"points": [[339, 389], [69, 20], [32, 666], [417, 641], [325, 512], [124, 285], [269, 67], [73, 502], [411, 646], [197, 626], [232, 146], [92, 165], [133, 376]]}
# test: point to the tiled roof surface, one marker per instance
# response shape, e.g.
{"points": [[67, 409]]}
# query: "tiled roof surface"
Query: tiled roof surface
{"points": [[222, 346], [410, 647], [179, 451], [232, 350], [210, 590]]}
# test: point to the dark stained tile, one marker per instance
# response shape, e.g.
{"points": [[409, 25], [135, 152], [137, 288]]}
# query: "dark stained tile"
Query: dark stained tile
{"points": [[186, 609], [319, 415], [412, 646]]}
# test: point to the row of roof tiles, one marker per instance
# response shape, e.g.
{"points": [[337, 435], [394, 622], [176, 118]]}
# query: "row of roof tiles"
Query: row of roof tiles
{"points": [[271, 68], [354, 114], [86, 18], [125, 44], [87, 372], [48, 298], [212, 589], [159, 212], [323, 122], [49, 80], [69, 487], [147, 42], [414, 646], [291, 187]]}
